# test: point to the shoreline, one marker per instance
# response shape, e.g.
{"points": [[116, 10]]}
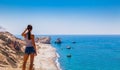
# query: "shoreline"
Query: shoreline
{"points": [[47, 58], [57, 62]]}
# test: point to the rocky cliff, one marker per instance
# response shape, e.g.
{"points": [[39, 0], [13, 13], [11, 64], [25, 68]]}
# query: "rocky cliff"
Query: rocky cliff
{"points": [[11, 50]]}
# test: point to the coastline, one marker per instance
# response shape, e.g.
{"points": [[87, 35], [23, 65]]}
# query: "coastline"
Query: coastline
{"points": [[57, 62], [47, 58]]}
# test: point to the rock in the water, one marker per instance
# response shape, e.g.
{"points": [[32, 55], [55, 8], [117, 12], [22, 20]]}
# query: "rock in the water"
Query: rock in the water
{"points": [[58, 41], [68, 47], [69, 55], [73, 42]]}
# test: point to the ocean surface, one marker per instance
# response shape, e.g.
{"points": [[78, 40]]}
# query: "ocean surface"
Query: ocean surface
{"points": [[89, 52]]}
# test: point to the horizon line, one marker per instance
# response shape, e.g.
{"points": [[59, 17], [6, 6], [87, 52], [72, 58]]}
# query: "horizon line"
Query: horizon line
{"points": [[71, 34]]}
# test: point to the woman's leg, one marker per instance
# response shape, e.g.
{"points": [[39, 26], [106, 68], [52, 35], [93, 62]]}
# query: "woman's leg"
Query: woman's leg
{"points": [[31, 61], [25, 61]]}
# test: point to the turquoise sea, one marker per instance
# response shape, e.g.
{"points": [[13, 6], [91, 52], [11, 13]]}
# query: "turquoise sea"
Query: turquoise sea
{"points": [[90, 52]]}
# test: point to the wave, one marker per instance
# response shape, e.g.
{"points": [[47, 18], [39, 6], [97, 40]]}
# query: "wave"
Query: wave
{"points": [[57, 62]]}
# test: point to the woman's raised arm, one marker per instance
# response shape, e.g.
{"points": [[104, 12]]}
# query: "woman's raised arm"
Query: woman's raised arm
{"points": [[24, 32]]}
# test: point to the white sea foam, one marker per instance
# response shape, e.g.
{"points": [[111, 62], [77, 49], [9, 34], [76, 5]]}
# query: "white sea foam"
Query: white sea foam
{"points": [[57, 62]]}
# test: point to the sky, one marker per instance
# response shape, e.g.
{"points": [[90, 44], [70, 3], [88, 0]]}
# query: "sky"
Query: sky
{"points": [[61, 16]]}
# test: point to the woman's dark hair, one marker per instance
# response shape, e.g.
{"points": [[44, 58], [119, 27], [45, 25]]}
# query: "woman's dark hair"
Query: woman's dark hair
{"points": [[29, 27]]}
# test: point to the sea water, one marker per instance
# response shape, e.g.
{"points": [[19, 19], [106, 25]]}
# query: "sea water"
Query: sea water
{"points": [[89, 52]]}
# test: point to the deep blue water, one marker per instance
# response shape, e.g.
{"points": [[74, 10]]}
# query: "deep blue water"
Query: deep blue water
{"points": [[90, 52]]}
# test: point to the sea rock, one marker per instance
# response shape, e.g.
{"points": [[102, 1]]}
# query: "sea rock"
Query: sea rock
{"points": [[58, 41], [68, 47], [73, 42], [69, 55]]}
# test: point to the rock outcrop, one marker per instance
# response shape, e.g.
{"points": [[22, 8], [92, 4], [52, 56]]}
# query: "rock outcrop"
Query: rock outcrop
{"points": [[44, 40], [11, 50]]}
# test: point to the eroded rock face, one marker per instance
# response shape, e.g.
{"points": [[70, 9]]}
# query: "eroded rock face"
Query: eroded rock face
{"points": [[44, 40], [11, 50]]}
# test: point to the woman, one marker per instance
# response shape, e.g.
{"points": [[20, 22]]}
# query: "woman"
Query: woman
{"points": [[30, 49]]}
